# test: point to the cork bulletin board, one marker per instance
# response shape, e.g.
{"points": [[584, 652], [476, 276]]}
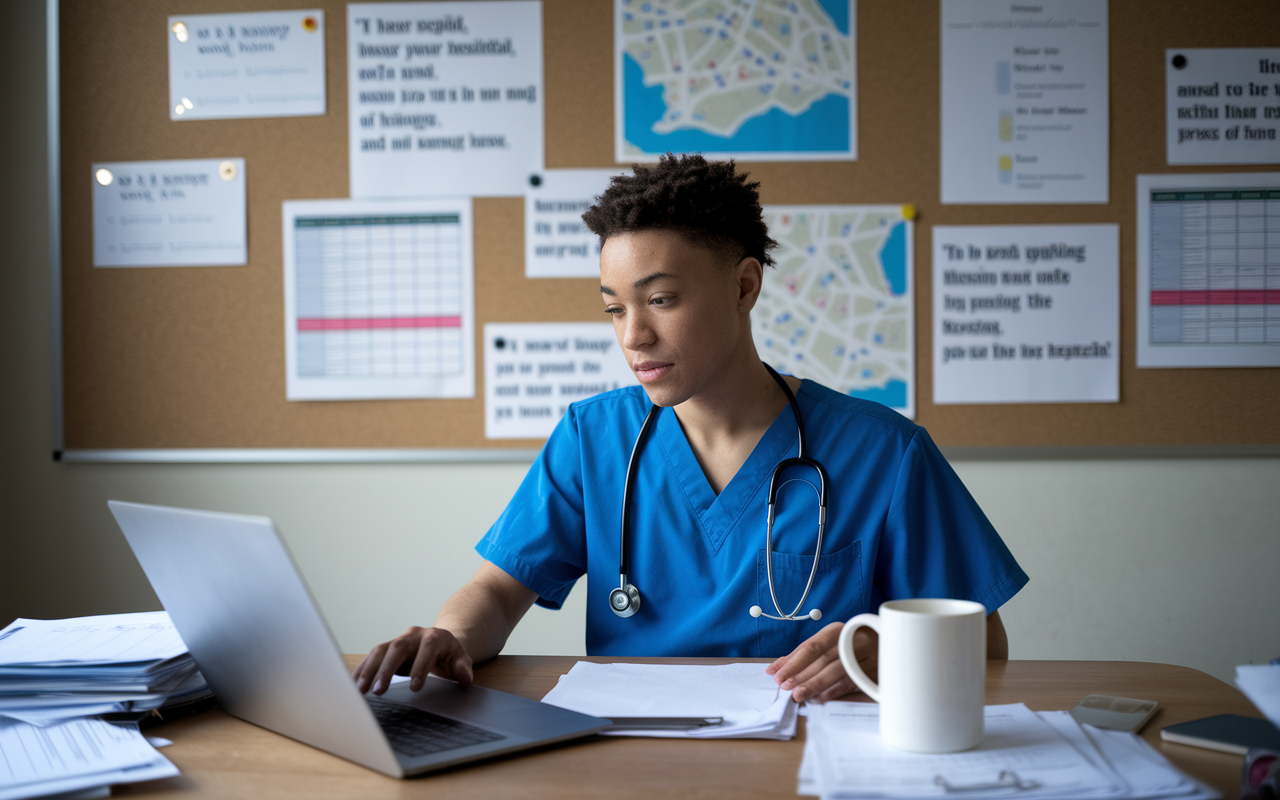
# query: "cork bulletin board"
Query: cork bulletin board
{"points": [[194, 357]]}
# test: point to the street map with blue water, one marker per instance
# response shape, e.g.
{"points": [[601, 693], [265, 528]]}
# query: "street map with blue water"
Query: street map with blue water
{"points": [[838, 307], [750, 79]]}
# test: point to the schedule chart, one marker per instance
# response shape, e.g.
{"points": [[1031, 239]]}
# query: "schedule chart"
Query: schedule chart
{"points": [[381, 303], [1213, 275]]}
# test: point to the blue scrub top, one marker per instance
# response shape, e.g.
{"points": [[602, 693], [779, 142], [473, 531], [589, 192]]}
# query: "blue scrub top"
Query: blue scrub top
{"points": [[900, 524]]}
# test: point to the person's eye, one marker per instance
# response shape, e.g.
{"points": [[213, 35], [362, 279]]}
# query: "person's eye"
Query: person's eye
{"points": [[662, 301], [613, 311]]}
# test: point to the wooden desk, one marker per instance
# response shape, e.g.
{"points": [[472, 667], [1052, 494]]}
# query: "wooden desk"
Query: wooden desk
{"points": [[221, 756]]}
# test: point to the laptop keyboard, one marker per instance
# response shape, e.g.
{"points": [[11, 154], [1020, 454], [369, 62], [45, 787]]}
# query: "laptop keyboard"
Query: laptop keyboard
{"points": [[415, 732]]}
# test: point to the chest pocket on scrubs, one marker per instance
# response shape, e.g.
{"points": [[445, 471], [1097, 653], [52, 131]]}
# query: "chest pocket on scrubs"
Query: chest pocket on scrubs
{"points": [[837, 591]]}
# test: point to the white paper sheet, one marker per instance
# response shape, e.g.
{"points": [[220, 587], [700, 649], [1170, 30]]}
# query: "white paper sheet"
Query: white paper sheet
{"points": [[379, 299], [1222, 105], [1026, 314], [839, 306], [74, 755], [107, 639], [186, 213], [1209, 270], [1261, 684], [851, 760], [1128, 768], [444, 98], [1024, 101], [778, 83], [750, 701], [534, 370], [557, 243], [259, 64]]}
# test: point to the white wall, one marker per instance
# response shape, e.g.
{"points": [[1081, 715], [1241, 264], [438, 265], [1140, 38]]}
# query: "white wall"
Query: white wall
{"points": [[1155, 560]]}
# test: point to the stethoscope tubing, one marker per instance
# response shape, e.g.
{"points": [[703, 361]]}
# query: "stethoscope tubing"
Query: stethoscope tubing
{"points": [[625, 600]]}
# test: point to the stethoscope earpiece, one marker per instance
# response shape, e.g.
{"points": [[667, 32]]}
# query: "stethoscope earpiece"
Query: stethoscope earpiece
{"points": [[757, 611]]}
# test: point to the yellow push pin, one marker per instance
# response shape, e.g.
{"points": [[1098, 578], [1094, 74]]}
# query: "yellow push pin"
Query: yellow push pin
{"points": [[908, 211]]}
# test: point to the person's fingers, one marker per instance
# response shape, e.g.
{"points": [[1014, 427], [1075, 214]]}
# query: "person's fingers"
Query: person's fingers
{"points": [[368, 667], [839, 685], [461, 668], [399, 650], [437, 650], [776, 665], [810, 650], [813, 670], [821, 680]]}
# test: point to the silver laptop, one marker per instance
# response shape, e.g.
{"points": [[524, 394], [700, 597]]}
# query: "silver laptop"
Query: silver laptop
{"points": [[240, 604]]}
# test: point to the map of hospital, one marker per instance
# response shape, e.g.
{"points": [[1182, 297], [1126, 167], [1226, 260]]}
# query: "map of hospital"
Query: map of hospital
{"points": [[742, 78], [838, 307]]}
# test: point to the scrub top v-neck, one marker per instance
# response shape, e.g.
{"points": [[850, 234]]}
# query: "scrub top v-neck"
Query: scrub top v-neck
{"points": [[899, 524]]}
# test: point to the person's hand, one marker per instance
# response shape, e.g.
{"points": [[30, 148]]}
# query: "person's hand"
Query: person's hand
{"points": [[415, 653], [813, 672]]}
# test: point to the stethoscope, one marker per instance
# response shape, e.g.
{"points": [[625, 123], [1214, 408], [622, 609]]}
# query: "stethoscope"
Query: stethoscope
{"points": [[625, 600]]}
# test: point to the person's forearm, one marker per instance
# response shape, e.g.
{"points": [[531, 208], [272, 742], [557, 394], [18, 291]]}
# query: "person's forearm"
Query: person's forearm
{"points": [[482, 614], [997, 639]]}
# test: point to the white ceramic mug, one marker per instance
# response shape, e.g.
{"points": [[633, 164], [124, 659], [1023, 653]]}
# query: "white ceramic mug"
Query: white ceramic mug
{"points": [[933, 669]]}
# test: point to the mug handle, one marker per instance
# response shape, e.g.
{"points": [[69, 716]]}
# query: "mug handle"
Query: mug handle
{"points": [[845, 648]]}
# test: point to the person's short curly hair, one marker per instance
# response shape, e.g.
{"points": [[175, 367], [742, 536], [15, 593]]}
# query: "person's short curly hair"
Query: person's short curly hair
{"points": [[709, 202]]}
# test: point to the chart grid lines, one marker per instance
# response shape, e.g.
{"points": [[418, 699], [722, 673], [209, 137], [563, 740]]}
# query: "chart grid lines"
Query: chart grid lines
{"points": [[1215, 266], [379, 296]]}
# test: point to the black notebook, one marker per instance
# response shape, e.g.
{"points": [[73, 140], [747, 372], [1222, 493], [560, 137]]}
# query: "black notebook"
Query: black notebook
{"points": [[1230, 733]]}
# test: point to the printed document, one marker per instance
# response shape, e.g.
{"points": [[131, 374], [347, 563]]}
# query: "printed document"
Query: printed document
{"points": [[1031, 756], [444, 99], [378, 299], [557, 243], [259, 64], [1024, 101], [534, 370], [186, 213], [1209, 270], [1026, 314], [1222, 105], [108, 639], [752, 705], [75, 755]]}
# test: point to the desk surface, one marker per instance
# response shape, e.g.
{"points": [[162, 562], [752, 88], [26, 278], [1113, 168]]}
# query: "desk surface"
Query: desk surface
{"points": [[221, 756]]}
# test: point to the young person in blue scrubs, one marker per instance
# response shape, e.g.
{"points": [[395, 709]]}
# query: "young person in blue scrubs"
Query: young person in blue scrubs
{"points": [[683, 255]]}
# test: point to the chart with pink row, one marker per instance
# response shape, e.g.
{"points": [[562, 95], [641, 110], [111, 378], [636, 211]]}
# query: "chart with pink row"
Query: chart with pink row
{"points": [[379, 296], [1215, 266]]}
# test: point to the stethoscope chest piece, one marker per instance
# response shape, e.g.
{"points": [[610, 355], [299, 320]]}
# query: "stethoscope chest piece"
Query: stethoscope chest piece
{"points": [[625, 601]]}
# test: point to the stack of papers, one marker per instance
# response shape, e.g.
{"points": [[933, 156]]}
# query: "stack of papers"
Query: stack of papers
{"points": [[1023, 754], [750, 702], [1261, 684], [72, 756], [55, 670]]}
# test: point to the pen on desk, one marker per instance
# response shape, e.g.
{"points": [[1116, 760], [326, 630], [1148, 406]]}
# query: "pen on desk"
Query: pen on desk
{"points": [[663, 723], [9, 633]]}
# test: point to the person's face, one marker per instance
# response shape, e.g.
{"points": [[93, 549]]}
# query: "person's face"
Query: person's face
{"points": [[679, 311]]}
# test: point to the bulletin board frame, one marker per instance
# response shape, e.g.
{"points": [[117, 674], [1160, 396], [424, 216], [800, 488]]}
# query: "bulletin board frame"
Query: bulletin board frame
{"points": [[1162, 413]]}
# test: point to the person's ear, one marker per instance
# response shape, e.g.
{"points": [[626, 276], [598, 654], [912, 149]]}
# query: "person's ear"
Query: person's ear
{"points": [[749, 277]]}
